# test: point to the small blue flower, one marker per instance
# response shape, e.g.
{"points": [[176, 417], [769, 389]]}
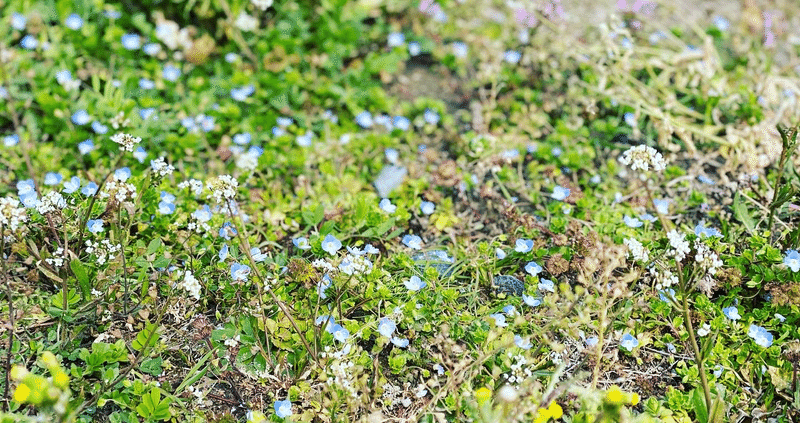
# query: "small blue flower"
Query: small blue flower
{"points": [[648, 217], [704, 232], [227, 230], [523, 245], [632, 222], [167, 197], [284, 121], [146, 84], [792, 260], [339, 332], [721, 23], [760, 335], [131, 41], [323, 286], [73, 22], [257, 255], [52, 178], [81, 117], [387, 206], [283, 408], [223, 252], [327, 319], [239, 272], [148, 112], [95, 225], [547, 285], [499, 253], [533, 268], [630, 119], [151, 49], [364, 119], [629, 342], [90, 189], [706, 180], [662, 205], [26, 187], [431, 116], [241, 94], [556, 151], [301, 243], [401, 122], [29, 42], [18, 21], [72, 185], [400, 342], [499, 319], [591, 341], [396, 39], [512, 56], [560, 193], [330, 244], [427, 207], [666, 295], [243, 139], [171, 73], [392, 155], [459, 49], [412, 241], [140, 154], [525, 344], [414, 49], [10, 140], [99, 128], [166, 208], [415, 283], [386, 327], [305, 139], [731, 313], [122, 174], [369, 249]]}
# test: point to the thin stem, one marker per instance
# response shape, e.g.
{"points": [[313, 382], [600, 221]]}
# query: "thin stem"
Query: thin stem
{"points": [[10, 319], [93, 200], [687, 321]]}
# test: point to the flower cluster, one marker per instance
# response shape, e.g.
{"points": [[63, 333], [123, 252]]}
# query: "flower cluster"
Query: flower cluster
{"points": [[637, 250], [191, 285], [223, 188], [11, 214], [104, 250], [519, 369], [679, 244], [126, 141], [161, 168], [642, 157], [51, 202]]}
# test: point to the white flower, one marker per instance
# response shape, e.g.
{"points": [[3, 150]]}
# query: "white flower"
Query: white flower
{"points": [[223, 188], [126, 141], [246, 22], [262, 4], [160, 167], [705, 330], [191, 285], [679, 244], [642, 157], [51, 202], [636, 249], [11, 214]]}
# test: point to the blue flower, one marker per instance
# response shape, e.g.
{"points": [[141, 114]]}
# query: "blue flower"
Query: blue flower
{"points": [[401, 122], [330, 244], [81, 117], [99, 128], [241, 94], [499, 319], [721, 23], [223, 252], [339, 332], [72, 185], [10, 140], [414, 49], [131, 41], [90, 189], [328, 320], [305, 139], [512, 56], [151, 49], [792, 260], [122, 174], [629, 342], [171, 73], [591, 341], [387, 206], [760, 335], [415, 283], [524, 245], [499, 253], [556, 151], [395, 39], [227, 230], [459, 49], [73, 22], [239, 272], [85, 147], [257, 255], [400, 342], [533, 268], [706, 180], [386, 327], [731, 313], [95, 225], [525, 344], [202, 214], [140, 154], [29, 42], [560, 193], [323, 286], [630, 119], [632, 222], [18, 21], [431, 116], [413, 241], [284, 121], [166, 208], [547, 285], [283, 408], [364, 119], [648, 217], [146, 84], [662, 205], [704, 232], [243, 139], [666, 295], [301, 243], [427, 207], [52, 178], [167, 197]]}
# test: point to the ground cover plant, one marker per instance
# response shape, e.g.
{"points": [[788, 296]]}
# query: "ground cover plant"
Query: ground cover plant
{"points": [[427, 211]]}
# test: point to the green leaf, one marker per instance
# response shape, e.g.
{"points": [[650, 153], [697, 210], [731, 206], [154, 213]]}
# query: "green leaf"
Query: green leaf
{"points": [[82, 275], [699, 406], [161, 262], [312, 217], [741, 212], [141, 340], [154, 245]]}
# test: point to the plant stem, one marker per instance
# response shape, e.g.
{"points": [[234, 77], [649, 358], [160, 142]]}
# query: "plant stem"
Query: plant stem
{"points": [[687, 321], [6, 399]]}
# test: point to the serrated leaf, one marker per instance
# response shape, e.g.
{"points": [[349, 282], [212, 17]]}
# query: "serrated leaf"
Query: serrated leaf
{"points": [[741, 212]]}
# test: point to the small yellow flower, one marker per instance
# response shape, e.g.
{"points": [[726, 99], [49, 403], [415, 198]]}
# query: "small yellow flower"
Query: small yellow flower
{"points": [[22, 393], [615, 396], [60, 379], [634, 398], [542, 415], [555, 410], [483, 395], [49, 359]]}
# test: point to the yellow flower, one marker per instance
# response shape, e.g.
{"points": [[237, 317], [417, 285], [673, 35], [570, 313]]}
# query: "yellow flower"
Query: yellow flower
{"points": [[615, 396], [634, 398], [483, 395], [555, 410], [60, 379], [542, 415], [49, 359], [22, 393]]}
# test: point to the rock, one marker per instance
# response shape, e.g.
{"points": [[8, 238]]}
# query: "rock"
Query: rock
{"points": [[436, 259], [509, 285], [390, 178]]}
